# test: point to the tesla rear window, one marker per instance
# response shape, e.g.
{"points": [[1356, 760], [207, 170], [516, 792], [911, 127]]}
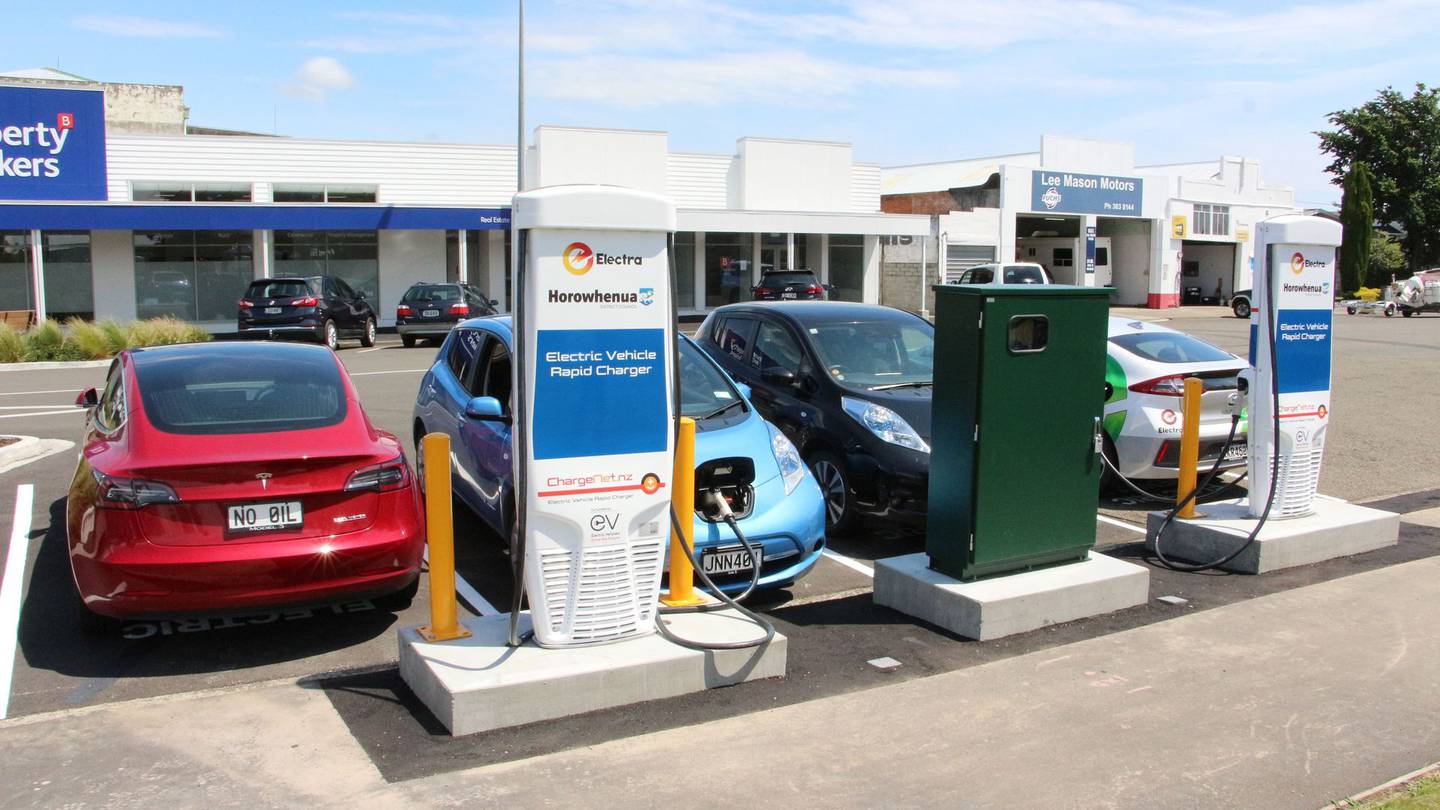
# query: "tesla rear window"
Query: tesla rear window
{"points": [[277, 289], [213, 394], [1169, 347], [437, 293]]}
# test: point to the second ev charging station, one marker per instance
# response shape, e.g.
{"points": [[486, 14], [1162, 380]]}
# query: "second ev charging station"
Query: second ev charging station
{"points": [[594, 429]]}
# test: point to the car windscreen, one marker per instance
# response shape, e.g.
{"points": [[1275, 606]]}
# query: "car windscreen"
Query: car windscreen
{"points": [[869, 354], [1023, 274], [703, 389], [1170, 347], [425, 293], [277, 289], [781, 279], [222, 394]]}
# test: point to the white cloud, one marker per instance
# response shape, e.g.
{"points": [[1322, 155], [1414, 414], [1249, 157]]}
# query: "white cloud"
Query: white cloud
{"points": [[317, 78], [120, 26]]}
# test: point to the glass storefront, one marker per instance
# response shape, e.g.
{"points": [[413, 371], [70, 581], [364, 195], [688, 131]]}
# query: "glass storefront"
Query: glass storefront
{"points": [[847, 267], [351, 255], [15, 278], [192, 275], [69, 285], [728, 273], [684, 259]]}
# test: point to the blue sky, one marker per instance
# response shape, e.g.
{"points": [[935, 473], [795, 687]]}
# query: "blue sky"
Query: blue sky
{"points": [[905, 81]]}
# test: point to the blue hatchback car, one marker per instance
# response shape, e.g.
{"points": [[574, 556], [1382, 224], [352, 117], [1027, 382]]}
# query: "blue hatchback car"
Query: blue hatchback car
{"points": [[785, 514]]}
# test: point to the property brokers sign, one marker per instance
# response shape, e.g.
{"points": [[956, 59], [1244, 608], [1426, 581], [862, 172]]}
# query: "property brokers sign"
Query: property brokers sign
{"points": [[52, 144], [1072, 193]]}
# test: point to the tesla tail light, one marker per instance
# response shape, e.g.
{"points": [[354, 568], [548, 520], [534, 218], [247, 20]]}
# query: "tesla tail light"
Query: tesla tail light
{"points": [[459, 309], [1172, 385], [244, 304], [393, 474], [403, 311], [132, 493]]}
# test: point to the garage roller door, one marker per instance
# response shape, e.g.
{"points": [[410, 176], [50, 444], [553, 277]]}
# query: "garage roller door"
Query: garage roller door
{"points": [[959, 258]]}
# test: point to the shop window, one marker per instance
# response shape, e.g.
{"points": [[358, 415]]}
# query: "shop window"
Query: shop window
{"points": [[69, 286], [351, 255], [847, 267], [322, 193], [143, 191], [15, 278], [728, 267], [684, 259], [1211, 220], [1064, 257], [192, 275], [1102, 256]]}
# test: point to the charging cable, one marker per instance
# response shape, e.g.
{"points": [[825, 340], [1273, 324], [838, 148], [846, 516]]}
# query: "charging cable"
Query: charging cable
{"points": [[725, 600]]}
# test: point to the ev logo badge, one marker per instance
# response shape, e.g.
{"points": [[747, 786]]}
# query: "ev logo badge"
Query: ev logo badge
{"points": [[578, 258], [601, 522], [1051, 198]]}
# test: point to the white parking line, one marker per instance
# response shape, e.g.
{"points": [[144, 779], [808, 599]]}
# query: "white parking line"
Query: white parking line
{"points": [[849, 563], [51, 391], [1122, 524], [10, 587], [71, 409], [367, 351], [396, 371], [36, 405], [467, 592]]}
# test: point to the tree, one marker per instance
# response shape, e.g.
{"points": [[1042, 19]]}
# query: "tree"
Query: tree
{"points": [[1386, 261], [1357, 218], [1398, 137]]}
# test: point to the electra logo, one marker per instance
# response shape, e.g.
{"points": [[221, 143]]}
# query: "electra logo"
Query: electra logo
{"points": [[1051, 198], [1299, 264], [1168, 416], [579, 258]]}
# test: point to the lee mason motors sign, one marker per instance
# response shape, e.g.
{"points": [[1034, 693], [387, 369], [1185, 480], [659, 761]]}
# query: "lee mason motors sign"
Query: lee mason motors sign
{"points": [[1073, 193], [52, 144]]}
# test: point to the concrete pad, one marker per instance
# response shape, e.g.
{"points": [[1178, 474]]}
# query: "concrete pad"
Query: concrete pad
{"points": [[478, 683], [1006, 605], [1336, 529]]}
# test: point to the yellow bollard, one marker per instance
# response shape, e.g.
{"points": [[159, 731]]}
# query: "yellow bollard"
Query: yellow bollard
{"points": [[682, 500], [440, 539], [1189, 447]]}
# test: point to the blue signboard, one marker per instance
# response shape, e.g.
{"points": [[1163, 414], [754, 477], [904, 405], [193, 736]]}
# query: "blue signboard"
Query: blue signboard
{"points": [[52, 144], [1071, 193], [599, 392], [1090, 249]]}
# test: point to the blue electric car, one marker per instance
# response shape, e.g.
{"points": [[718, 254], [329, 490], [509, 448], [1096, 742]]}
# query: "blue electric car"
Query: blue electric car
{"points": [[758, 470]]}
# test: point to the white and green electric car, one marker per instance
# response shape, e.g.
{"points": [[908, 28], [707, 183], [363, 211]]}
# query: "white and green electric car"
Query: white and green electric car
{"points": [[1145, 370]]}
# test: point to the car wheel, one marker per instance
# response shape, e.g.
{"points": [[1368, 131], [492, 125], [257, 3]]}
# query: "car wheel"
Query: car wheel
{"points": [[329, 335], [419, 459], [1389, 310], [1241, 309], [829, 473], [408, 341], [399, 600], [367, 336], [1349, 310], [1407, 311], [1109, 481]]}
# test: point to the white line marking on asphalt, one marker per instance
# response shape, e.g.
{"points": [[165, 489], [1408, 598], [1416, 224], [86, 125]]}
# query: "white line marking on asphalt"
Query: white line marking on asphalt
{"points": [[36, 405], [71, 409], [467, 592], [849, 563], [1122, 524], [51, 391], [10, 589], [367, 351], [396, 371]]}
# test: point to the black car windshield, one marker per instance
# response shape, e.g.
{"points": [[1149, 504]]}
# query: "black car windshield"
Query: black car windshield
{"points": [[277, 289], [703, 389], [421, 293], [876, 353], [783, 278], [1170, 347], [231, 392]]}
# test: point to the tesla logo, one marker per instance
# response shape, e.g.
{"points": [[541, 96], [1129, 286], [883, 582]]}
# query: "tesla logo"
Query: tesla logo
{"points": [[1167, 416], [64, 120], [650, 484], [604, 523], [578, 258], [264, 479]]}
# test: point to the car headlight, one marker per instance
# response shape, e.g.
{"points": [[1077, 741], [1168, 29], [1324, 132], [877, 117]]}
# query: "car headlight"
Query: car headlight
{"points": [[792, 469], [884, 423]]}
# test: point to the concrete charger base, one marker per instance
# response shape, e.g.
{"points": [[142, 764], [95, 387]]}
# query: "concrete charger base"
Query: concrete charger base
{"points": [[1335, 529], [479, 684], [1014, 603]]}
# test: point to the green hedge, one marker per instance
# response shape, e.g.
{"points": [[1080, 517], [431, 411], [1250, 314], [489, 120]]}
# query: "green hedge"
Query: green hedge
{"points": [[83, 340]]}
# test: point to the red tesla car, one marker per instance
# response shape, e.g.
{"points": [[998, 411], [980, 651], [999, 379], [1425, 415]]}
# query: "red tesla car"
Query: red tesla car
{"points": [[224, 477]]}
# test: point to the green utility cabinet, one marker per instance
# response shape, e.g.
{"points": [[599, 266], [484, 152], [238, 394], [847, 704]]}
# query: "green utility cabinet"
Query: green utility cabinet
{"points": [[1015, 451]]}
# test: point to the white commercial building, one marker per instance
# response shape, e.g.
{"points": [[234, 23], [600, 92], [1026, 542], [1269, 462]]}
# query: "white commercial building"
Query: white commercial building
{"points": [[141, 224], [1161, 235]]}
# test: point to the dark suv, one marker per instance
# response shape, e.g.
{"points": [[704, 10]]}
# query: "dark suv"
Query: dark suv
{"points": [[849, 385], [322, 308], [788, 285], [431, 310]]}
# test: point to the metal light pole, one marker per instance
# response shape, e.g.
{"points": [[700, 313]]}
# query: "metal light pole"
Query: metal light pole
{"points": [[519, 438], [520, 107]]}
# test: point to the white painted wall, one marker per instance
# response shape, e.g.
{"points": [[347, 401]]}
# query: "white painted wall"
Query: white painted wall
{"points": [[1130, 256], [405, 258], [112, 262], [781, 175], [698, 181], [1087, 155], [632, 158]]}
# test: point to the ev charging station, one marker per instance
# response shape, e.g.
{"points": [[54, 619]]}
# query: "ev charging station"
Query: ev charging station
{"points": [[594, 439], [1282, 522]]}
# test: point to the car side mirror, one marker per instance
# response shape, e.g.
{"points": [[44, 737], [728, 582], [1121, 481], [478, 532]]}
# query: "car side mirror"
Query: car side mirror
{"points": [[777, 375], [745, 390], [87, 398], [360, 295], [486, 409], [494, 302]]}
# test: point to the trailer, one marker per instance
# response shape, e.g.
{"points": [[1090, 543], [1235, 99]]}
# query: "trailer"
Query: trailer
{"points": [[1419, 293]]}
